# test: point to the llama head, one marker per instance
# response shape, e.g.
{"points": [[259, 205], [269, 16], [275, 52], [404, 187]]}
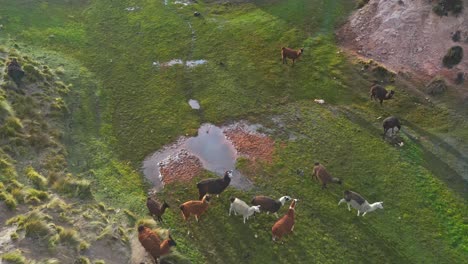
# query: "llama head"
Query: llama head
{"points": [[302, 50], [141, 228], [293, 204], [379, 205], [228, 173], [284, 199], [172, 242], [256, 208], [206, 198], [390, 94]]}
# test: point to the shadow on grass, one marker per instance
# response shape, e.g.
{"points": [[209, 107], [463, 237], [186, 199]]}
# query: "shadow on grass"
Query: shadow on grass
{"points": [[436, 165]]}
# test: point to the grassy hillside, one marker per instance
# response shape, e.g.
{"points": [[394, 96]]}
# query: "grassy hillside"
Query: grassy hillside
{"points": [[122, 108]]}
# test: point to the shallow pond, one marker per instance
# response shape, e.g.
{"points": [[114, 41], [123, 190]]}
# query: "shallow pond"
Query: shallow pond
{"points": [[215, 151]]}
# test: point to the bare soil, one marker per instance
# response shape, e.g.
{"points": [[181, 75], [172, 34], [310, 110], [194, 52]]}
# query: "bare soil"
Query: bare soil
{"points": [[183, 167], [254, 146], [406, 37]]}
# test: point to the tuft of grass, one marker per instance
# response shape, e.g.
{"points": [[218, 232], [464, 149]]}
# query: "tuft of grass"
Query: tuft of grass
{"points": [[131, 216], [71, 237], [32, 194], [82, 260], [10, 85], [37, 179], [11, 127], [9, 200], [14, 257], [58, 205], [453, 57], [18, 194], [37, 228], [361, 3], [51, 261], [7, 169], [443, 7], [436, 86], [148, 222], [32, 73], [14, 236], [5, 108], [74, 187], [59, 106]]}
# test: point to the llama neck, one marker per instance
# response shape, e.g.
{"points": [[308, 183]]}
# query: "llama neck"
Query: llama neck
{"points": [[251, 210], [227, 180], [164, 247], [291, 213], [163, 208], [373, 207]]}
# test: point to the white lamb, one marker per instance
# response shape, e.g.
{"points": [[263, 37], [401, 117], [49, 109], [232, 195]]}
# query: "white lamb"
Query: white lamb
{"points": [[239, 206], [359, 203]]}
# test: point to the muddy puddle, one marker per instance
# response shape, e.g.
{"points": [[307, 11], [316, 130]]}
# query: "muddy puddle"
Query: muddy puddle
{"points": [[211, 149], [173, 62]]}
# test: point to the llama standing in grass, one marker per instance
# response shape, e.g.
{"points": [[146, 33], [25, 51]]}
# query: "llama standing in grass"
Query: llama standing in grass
{"points": [[152, 243], [195, 208], [321, 174], [377, 92], [155, 208], [390, 122], [270, 205], [359, 203], [285, 224], [214, 185], [239, 206], [291, 54]]}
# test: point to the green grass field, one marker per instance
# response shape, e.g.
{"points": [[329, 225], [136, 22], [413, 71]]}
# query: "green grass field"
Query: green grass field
{"points": [[122, 108]]}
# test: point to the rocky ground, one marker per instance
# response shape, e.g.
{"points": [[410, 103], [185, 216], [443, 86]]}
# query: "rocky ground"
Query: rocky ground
{"points": [[406, 36]]}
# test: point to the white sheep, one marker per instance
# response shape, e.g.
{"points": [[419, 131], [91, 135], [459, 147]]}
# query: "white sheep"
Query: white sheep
{"points": [[239, 206], [359, 203]]}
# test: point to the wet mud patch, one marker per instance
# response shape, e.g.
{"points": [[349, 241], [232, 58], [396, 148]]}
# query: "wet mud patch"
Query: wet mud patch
{"points": [[181, 167], [173, 62], [254, 146], [215, 149]]}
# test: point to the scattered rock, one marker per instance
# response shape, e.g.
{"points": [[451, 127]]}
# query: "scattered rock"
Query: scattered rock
{"points": [[436, 87], [194, 104], [197, 14]]}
